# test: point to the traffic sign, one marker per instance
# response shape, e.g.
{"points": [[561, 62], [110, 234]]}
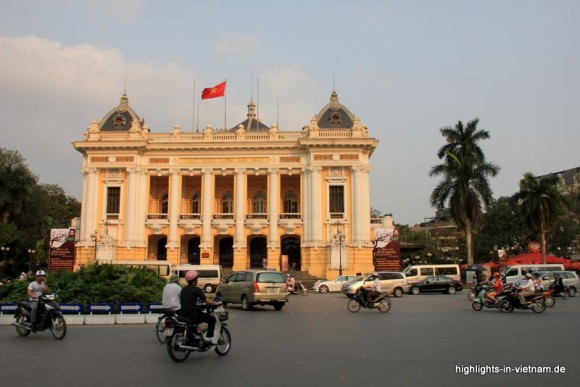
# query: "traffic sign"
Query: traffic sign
{"points": [[130, 308], [101, 308]]}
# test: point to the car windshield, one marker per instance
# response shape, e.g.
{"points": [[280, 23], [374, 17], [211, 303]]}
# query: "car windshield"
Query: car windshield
{"points": [[270, 278]]}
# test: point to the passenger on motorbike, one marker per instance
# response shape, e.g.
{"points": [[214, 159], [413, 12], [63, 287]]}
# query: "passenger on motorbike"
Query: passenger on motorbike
{"points": [[171, 294], [291, 282], [527, 289], [558, 284], [538, 282], [35, 290], [190, 295], [497, 287]]}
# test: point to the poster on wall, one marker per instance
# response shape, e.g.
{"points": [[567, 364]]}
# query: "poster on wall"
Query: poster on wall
{"points": [[62, 249], [387, 250]]}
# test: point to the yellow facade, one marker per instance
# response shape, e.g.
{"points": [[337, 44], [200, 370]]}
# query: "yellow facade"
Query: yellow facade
{"points": [[245, 197]]}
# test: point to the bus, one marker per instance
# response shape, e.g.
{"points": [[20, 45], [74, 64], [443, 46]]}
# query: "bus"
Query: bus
{"points": [[161, 268]]}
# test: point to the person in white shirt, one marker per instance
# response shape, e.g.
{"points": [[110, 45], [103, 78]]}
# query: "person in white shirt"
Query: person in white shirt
{"points": [[527, 289], [375, 290], [171, 294], [34, 291]]}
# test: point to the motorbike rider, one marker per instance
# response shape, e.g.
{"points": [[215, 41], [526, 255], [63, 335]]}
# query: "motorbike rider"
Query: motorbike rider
{"points": [[190, 294], [35, 290], [291, 282], [171, 294], [497, 287], [558, 284], [527, 289], [375, 290]]}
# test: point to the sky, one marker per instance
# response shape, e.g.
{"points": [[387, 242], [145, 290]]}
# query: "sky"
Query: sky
{"points": [[406, 68]]}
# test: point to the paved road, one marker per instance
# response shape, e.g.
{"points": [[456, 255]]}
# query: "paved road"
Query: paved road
{"points": [[315, 341]]}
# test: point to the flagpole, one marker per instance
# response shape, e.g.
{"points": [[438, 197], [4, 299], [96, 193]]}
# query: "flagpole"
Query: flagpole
{"points": [[257, 103], [193, 115], [225, 107]]}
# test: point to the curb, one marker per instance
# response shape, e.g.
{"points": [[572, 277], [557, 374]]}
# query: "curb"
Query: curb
{"points": [[109, 319]]}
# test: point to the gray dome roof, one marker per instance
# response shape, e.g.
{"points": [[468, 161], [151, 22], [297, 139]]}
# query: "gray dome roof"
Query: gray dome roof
{"points": [[252, 123], [121, 118], [334, 115]]}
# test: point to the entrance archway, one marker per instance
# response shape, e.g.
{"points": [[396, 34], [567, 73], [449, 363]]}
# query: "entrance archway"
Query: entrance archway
{"points": [[193, 257], [291, 248], [162, 249], [258, 251], [226, 251]]}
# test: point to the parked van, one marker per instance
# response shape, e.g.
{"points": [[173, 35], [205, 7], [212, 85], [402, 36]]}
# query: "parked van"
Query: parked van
{"points": [[210, 276], [516, 273], [391, 282], [417, 273]]}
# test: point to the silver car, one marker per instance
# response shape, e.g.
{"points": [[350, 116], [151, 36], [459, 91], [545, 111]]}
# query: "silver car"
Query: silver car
{"points": [[391, 282], [254, 287], [325, 286], [569, 279]]}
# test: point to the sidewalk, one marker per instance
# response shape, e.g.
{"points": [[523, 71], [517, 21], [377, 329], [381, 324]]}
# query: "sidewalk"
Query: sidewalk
{"points": [[89, 319]]}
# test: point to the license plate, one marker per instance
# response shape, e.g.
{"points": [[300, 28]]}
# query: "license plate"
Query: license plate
{"points": [[272, 290], [168, 331]]}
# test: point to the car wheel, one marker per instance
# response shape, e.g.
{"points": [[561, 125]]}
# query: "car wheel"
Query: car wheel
{"points": [[451, 290], [477, 306], [323, 289], [245, 303], [398, 292], [571, 291], [415, 290], [278, 305]]}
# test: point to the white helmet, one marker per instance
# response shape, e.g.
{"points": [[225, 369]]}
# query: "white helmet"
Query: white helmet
{"points": [[40, 272]]}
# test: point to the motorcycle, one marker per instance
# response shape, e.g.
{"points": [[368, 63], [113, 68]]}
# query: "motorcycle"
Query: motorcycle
{"points": [[512, 301], [185, 336], [474, 292], [298, 289], [382, 302], [48, 316]]}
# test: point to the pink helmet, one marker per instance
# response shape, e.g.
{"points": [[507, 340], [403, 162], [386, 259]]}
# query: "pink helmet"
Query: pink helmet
{"points": [[190, 275]]}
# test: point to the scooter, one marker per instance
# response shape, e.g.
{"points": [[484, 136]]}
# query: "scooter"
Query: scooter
{"points": [[298, 289], [482, 301], [185, 336], [382, 302]]}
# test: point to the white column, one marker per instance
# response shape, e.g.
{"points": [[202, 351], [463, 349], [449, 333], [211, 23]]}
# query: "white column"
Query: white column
{"points": [[316, 205], [207, 208], [142, 206], [365, 222], [131, 207], [305, 204], [92, 185], [274, 207], [174, 208], [241, 184], [84, 233], [356, 216]]}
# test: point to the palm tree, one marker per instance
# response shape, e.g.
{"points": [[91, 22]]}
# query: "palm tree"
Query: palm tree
{"points": [[541, 203], [465, 186]]}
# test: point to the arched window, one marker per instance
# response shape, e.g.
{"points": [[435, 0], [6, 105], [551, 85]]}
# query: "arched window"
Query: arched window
{"points": [[259, 203], [195, 203], [228, 203], [291, 203]]}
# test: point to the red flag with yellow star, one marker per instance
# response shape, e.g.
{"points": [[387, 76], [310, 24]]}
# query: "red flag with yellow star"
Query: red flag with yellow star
{"points": [[214, 92]]}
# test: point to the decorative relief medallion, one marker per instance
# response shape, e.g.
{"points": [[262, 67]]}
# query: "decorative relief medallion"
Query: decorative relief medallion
{"points": [[119, 120]]}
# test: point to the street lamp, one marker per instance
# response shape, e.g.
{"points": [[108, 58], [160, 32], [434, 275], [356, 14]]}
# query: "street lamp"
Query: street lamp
{"points": [[31, 263], [339, 236], [4, 250], [94, 239]]}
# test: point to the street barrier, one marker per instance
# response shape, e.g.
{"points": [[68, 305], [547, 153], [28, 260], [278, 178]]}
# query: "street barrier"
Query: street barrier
{"points": [[7, 308]]}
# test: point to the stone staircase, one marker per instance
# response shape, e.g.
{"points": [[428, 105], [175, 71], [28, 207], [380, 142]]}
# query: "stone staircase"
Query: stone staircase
{"points": [[306, 278]]}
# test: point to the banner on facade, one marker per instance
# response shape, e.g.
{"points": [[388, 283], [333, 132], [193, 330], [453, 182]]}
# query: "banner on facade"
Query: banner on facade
{"points": [[387, 250], [61, 254]]}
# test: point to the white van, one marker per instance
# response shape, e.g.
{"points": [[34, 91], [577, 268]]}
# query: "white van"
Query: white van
{"points": [[210, 276], [417, 273], [516, 273]]}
